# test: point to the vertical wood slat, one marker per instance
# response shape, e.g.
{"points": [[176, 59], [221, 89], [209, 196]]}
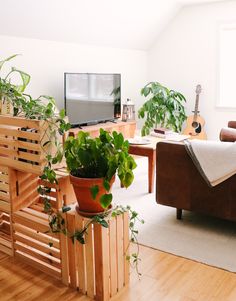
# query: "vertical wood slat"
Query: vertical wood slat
{"points": [[126, 247], [101, 253], [80, 253], [64, 256], [120, 252], [8, 171], [113, 256], [71, 251], [89, 251]]}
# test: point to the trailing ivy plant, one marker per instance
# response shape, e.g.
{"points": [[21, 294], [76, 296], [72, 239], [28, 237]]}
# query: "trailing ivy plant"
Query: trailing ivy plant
{"points": [[163, 108]]}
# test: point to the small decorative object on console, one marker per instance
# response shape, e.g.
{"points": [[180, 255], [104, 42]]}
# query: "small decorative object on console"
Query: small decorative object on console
{"points": [[162, 131], [128, 111]]}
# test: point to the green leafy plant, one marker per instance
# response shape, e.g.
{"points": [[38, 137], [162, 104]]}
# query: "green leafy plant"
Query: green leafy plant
{"points": [[164, 108], [100, 157]]}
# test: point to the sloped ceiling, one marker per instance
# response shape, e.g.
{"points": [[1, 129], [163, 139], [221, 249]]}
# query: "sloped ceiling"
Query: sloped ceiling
{"points": [[133, 24]]}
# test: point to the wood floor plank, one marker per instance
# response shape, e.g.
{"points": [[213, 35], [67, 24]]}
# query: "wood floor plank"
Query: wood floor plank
{"points": [[165, 277]]}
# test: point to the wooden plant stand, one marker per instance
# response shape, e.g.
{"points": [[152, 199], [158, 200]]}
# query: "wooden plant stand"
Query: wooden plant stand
{"points": [[99, 267]]}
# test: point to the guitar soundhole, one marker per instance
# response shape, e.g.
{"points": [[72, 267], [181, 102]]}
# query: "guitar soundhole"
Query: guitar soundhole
{"points": [[195, 124], [198, 129]]}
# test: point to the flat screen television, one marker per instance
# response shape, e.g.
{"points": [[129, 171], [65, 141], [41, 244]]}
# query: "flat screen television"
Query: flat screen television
{"points": [[92, 97]]}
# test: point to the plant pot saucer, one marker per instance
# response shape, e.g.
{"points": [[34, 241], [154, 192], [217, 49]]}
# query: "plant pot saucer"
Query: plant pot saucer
{"points": [[92, 214]]}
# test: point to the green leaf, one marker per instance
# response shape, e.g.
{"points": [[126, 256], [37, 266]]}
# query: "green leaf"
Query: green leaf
{"points": [[80, 239], [106, 185], [94, 191], [118, 140], [46, 143], [128, 179], [62, 114], [7, 59], [145, 91], [104, 223], [106, 200], [25, 77], [65, 209]]}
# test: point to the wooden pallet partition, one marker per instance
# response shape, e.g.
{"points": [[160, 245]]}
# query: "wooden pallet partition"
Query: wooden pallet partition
{"points": [[99, 268]]}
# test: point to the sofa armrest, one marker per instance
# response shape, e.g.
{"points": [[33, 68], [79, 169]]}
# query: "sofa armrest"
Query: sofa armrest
{"points": [[228, 134], [173, 175], [232, 124]]}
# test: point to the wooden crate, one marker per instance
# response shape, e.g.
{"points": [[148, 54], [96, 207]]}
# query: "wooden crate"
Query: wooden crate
{"points": [[21, 143], [31, 232], [17, 190], [99, 268], [32, 239]]}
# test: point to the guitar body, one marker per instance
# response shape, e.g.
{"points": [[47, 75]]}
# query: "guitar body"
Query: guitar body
{"points": [[194, 127]]}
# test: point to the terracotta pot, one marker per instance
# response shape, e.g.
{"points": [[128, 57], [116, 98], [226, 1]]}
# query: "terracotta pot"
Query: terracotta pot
{"points": [[83, 194]]}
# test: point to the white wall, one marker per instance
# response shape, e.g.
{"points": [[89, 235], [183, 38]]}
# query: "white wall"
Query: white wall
{"points": [[186, 53], [46, 62]]}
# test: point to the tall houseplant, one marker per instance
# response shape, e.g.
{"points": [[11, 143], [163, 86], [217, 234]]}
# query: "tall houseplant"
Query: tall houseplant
{"points": [[93, 163], [163, 108]]}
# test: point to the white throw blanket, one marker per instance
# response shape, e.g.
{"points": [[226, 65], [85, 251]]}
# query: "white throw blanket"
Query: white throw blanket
{"points": [[215, 160]]}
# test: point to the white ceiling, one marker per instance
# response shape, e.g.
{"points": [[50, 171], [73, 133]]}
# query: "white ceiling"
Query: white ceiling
{"points": [[133, 24]]}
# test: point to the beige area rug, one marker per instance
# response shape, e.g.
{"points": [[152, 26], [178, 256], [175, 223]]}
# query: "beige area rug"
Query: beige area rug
{"points": [[202, 238]]}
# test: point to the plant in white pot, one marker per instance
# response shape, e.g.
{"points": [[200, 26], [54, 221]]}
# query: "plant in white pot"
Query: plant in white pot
{"points": [[93, 163]]}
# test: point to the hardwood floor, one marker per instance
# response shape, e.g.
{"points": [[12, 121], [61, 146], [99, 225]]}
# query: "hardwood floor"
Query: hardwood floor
{"points": [[165, 277]]}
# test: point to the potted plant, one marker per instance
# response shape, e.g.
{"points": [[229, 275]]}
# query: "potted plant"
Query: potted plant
{"points": [[164, 108], [93, 163]]}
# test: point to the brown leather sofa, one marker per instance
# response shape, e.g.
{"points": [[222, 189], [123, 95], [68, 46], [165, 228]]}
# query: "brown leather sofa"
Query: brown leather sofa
{"points": [[180, 185]]}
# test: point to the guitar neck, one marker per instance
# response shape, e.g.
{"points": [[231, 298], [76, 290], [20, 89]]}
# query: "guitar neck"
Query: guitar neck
{"points": [[196, 107]]}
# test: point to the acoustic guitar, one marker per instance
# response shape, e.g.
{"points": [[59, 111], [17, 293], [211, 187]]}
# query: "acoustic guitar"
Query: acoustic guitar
{"points": [[195, 123]]}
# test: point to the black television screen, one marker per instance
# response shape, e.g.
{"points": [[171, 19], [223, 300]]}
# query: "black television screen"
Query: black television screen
{"points": [[91, 97]]}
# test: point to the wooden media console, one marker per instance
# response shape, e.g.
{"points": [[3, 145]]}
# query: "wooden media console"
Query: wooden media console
{"points": [[126, 128]]}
